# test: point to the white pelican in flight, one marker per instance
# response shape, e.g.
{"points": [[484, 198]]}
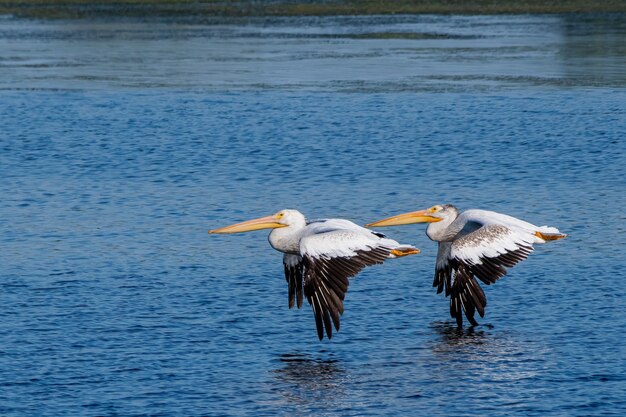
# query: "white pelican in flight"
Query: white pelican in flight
{"points": [[473, 244], [322, 255]]}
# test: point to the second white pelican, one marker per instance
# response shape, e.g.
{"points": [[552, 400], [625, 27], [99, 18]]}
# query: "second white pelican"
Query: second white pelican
{"points": [[320, 256], [473, 244]]}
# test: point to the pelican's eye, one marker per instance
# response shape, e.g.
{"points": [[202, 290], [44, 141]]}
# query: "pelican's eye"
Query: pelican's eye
{"points": [[279, 215], [433, 209]]}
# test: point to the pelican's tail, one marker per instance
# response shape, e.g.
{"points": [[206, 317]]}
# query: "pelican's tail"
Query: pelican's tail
{"points": [[403, 250], [547, 233]]}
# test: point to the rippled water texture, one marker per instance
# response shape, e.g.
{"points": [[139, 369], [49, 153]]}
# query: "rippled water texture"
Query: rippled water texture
{"points": [[396, 53], [122, 143]]}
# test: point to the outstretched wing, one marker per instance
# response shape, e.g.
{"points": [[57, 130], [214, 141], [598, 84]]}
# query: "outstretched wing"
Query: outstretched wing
{"points": [[330, 258], [483, 253], [294, 272]]}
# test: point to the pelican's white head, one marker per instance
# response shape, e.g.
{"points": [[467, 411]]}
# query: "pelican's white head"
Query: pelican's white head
{"points": [[290, 217], [442, 212], [283, 218], [287, 239], [446, 214], [439, 218]]}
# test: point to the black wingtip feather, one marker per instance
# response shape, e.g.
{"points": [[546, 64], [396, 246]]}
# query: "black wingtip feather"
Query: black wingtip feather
{"points": [[294, 274], [299, 292], [327, 324], [470, 310], [317, 312]]}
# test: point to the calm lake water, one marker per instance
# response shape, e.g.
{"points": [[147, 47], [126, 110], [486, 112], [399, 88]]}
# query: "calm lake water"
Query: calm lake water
{"points": [[123, 142]]}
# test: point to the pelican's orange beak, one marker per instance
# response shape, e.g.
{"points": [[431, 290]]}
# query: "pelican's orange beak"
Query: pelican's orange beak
{"points": [[421, 216], [269, 222]]}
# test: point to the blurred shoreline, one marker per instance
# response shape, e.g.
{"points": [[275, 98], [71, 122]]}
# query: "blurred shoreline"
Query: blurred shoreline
{"points": [[78, 9]]}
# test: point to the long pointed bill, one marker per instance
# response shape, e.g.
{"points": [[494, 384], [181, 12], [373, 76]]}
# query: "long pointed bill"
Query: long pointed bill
{"points": [[422, 216], [268, 222]]}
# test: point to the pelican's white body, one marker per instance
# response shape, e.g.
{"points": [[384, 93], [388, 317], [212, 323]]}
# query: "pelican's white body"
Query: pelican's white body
{"points": [[475, 233], [326, 238]]}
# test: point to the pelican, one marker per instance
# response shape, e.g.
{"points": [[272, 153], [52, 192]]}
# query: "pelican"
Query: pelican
{"points": [[473, 244], [320, 256]]}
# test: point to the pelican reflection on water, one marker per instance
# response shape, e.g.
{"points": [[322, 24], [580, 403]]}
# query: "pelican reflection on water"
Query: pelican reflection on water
{"points": [[311, 381], [473, 244], [320, 256]]}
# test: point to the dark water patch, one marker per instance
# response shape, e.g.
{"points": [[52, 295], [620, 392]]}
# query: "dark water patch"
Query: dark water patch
{"points": [[62, 273], [407, 35], [366, 35]]}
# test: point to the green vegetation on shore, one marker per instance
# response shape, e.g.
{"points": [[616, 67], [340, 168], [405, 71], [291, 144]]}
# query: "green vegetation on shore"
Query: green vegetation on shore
{"points": [[229, 8]]}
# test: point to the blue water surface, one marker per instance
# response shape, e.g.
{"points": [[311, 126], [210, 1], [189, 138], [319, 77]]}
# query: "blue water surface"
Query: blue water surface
{"points": [[115, 301]]}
